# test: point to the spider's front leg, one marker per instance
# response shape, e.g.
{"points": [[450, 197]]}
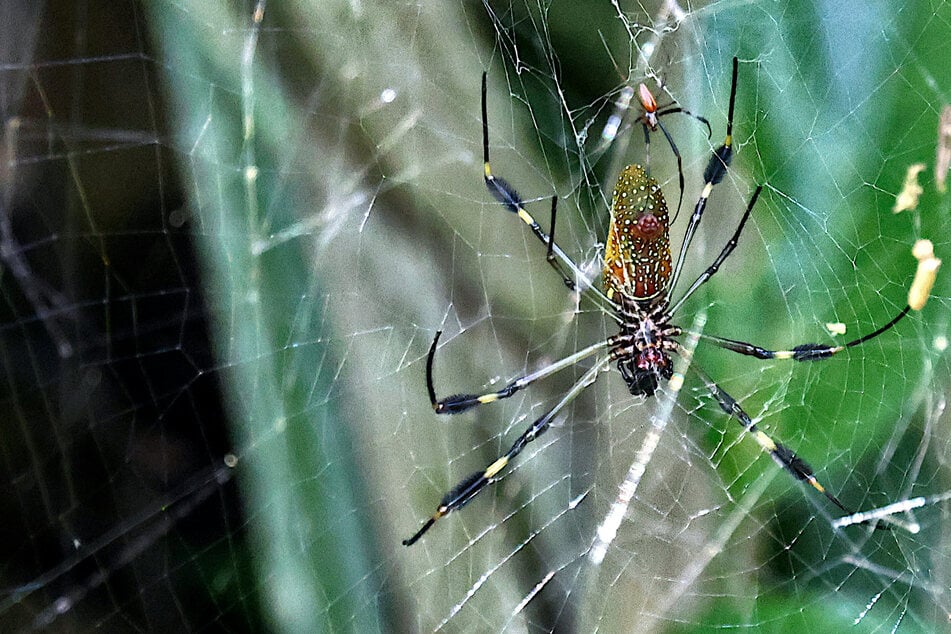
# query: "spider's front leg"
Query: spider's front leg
{"points": [[503, 192]]}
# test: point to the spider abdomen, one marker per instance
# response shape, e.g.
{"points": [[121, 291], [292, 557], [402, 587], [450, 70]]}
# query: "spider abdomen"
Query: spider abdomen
{"points": [[637, 262]]}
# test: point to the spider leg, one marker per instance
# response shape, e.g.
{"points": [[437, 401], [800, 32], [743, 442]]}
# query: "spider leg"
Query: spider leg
{"points": [[570, 273], [461, 402], [662, 111], [712, 175], [472, 485], [781, 454], [550, 255], [724, 254], [647, 145], [666, 110], [680, 166], [918, 294], [805, 351]]}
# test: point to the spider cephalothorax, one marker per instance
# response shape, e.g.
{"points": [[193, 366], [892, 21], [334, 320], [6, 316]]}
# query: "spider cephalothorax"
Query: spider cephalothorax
{"points": [[642, 348]]}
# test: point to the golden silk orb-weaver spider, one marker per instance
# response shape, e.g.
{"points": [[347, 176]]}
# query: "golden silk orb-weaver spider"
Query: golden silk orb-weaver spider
{"points": [[637, 281]]}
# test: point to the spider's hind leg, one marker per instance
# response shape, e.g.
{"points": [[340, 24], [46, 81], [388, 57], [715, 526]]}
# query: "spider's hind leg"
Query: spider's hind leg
{"points": [[780, 453]]}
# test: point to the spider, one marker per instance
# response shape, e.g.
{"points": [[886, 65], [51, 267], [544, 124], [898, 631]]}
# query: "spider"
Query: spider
{"points": [[638, 280], [650, 121]]}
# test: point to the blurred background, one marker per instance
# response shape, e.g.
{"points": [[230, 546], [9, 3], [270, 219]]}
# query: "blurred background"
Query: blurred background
{"points": [[230, 231]]}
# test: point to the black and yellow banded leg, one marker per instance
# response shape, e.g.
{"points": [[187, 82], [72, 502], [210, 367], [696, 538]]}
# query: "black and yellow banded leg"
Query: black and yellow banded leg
{"points": [[469, 487], [918, 294], [461, 402], [802, 352], [715, 171], [502, 191], [711, 270], [781, 454]]}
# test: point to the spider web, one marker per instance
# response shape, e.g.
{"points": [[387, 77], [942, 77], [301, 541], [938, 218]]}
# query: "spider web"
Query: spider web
{"points": [[230, 231]]}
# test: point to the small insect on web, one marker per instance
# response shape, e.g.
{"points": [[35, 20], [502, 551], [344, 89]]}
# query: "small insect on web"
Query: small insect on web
{"points": [[638, 280]]}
